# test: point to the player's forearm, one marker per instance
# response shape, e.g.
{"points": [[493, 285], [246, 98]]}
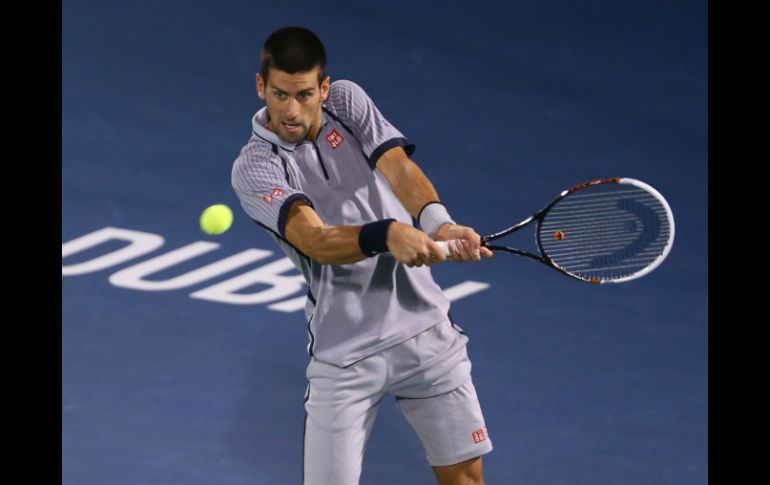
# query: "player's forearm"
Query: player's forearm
{"points": [[349, 244], [333, 244], [412, 187], [326, 244]]}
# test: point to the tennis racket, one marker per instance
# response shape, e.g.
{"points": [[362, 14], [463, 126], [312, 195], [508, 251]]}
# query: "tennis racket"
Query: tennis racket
{"points": [[609, 230]]}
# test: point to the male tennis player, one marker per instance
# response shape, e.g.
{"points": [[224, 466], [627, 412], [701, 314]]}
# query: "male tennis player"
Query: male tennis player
{"points": [[331, 180]]}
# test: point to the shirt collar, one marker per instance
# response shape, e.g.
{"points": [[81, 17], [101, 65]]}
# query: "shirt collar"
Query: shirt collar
{"points": [[261, 119], [258, 123]]}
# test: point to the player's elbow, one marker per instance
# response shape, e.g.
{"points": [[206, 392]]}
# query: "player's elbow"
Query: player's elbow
{"points": [[317, 254], [308, 246], [312, 244]]}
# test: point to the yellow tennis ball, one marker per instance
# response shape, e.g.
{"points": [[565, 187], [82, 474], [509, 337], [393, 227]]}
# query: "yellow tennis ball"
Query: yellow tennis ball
{"points": [[216, 219]]}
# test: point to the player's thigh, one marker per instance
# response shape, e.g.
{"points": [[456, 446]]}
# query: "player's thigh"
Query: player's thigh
{"points": [[341, 406], [333, 455], [338, 398], [450, 426]]}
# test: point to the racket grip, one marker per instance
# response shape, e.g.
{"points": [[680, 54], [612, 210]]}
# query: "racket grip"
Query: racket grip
{"points": [[444, 245]]}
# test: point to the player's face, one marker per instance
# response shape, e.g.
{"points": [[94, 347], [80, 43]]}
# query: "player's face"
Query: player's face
{"points": [[294, 103]]}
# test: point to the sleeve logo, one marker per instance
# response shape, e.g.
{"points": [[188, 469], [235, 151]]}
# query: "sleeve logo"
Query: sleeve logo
{"points": [[274, 194], [334, 139], [479, 435]]}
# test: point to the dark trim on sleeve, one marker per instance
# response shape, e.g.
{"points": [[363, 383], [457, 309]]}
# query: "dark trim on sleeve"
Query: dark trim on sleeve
{"points": [[392, 143], [283, 214], [409, 148]]}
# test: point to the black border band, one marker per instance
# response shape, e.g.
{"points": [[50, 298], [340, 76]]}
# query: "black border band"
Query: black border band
{"points": [[392, 143], [283, 214]]}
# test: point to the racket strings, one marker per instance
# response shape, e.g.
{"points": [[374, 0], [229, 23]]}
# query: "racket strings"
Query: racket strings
{"points": [[605, 232]]}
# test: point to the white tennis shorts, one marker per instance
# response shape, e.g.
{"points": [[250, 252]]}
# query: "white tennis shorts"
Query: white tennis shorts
{"points": [[430, 377]]}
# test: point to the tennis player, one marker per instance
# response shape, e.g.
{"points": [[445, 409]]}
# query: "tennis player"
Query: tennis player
{"points": [[331, 180]]}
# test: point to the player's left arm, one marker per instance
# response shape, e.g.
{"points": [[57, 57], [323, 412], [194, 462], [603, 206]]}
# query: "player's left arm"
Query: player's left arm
{"points": [[415, 191]]}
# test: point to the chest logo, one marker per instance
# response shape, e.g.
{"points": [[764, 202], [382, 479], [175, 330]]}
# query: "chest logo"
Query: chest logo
{"points": [[334, 139], [274, 194]]}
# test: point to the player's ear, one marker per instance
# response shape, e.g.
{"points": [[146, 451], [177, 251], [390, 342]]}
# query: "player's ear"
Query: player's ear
{"points": [[260, 87], [325, 84]]}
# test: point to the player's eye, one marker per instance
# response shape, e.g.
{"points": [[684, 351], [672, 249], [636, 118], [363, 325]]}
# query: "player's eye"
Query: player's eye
{"points": [[279, 95], [305, 96]]}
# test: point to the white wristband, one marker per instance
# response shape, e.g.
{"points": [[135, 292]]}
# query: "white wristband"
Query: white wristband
{"points": [[432, 217]]}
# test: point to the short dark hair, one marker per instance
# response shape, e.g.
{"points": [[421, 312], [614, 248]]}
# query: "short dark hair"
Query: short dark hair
{"points": [[293, 50]]}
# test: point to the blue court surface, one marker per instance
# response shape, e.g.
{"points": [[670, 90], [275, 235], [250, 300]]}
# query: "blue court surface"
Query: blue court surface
{"points": [[183, 354]]}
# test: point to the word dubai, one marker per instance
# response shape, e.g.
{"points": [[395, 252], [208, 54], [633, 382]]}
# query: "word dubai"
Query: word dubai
{"points": [[285, 287]]}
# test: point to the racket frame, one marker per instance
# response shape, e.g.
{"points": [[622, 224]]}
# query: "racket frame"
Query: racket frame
{"points": [[540, 215]]}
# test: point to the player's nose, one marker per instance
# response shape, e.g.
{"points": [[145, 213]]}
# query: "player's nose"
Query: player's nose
{"points": [[292, 110]]}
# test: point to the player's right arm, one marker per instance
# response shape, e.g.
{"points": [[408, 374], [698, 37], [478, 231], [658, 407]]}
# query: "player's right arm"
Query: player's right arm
{"points": [[261, 181], [342, 245]]}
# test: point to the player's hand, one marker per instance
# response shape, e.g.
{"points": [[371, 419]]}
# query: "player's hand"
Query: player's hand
{"points": [[464, 243], [413, 247]]}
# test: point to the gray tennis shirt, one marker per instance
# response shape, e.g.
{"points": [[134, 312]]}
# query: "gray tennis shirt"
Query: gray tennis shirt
{"points": [[353, 310]]}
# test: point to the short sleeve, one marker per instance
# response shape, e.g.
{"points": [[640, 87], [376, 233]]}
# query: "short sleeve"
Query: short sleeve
{"points": [[261, 181], [350, 104]]}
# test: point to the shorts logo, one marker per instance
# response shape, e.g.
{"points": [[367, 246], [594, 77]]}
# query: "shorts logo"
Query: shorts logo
{"points": [[276, 193], [479, 435], [334, 139]]}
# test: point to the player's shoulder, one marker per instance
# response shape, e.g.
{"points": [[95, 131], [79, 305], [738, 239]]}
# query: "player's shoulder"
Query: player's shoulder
{"points": [[256, 157], [347, 101], [346, 89], [255, 151]]}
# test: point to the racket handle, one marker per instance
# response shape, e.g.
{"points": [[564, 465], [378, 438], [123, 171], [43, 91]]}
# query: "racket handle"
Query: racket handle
{"points": [[444, 245]]}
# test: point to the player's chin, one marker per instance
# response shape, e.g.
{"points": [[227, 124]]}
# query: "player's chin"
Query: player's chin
{"points": [[295, 136]]}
